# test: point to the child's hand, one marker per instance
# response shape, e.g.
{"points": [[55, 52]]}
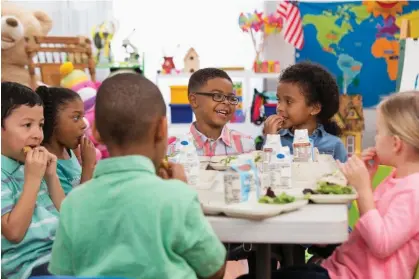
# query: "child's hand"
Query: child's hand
{"points": [[273, 124], [51, 169], [369, 157], [35, 165], [356, 173], [174, 171], [87, 152]]}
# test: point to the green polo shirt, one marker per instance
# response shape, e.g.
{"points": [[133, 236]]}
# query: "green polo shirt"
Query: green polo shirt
{"points": [[127, 222], [69, 172], [18, 260]]}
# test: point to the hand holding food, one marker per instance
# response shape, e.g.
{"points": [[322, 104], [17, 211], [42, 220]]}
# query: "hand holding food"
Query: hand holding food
{"points": [[172, 171], [370, 158], [36, 162], [51, 169], [87, 152], [356, 173], [273, 124]]}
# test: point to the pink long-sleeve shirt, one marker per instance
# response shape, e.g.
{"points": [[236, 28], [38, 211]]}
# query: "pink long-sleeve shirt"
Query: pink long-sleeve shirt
{"points": [[385, 241]]}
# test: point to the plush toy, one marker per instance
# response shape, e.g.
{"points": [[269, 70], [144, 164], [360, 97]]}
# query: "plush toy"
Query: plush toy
{"points": [[78, 81], [18, 23]]}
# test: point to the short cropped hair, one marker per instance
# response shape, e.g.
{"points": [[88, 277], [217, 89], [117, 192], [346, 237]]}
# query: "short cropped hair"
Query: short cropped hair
{"points": [[14, 95], [126, 106], [202, 76]]}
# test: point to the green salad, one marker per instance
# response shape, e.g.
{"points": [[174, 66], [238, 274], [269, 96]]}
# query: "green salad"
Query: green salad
{"points": [[271, 198], [226, 161], [326, 188]]}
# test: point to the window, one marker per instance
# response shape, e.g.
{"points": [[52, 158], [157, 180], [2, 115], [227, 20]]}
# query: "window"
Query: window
{"points": [[350, 145], [170, 28]]}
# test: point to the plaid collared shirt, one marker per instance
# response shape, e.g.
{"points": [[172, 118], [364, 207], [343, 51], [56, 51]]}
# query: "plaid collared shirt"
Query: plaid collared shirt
{"points": [[230, 142]]}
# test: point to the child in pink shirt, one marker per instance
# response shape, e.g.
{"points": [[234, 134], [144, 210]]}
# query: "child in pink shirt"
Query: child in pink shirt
{"points": [[385, 241]]}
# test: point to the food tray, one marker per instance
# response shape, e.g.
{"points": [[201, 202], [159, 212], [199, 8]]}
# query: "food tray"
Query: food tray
{"points": [[251, 210]]}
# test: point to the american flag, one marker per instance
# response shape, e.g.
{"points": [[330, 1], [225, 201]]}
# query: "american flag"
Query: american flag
{"points": [[293, 29]]}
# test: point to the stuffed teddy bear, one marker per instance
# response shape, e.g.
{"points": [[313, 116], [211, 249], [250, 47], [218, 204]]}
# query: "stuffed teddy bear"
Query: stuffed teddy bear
{"points": [[18, 23], [78, 81]]}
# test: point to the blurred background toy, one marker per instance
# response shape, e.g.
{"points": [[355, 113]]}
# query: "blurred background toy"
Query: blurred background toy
{"points": [[102, 36], [191, 61], [131, 50]]}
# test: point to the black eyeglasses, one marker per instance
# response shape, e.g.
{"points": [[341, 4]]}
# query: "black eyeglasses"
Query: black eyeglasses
{"points": [[219, 97]]}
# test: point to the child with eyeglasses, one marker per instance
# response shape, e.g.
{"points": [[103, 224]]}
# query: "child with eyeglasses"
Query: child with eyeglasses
{"points": [[210, 93]]}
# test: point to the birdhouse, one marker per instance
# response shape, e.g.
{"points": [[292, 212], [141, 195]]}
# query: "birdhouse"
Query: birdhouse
{"points": [[191, 61]]}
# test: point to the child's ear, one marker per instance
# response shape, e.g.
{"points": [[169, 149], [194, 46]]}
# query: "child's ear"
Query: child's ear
{"points": [[95, 133], [161, 131], [192, 100], [315, 109]]}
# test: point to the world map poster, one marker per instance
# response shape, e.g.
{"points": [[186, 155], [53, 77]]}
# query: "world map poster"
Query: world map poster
{"points": [[358, 42]]}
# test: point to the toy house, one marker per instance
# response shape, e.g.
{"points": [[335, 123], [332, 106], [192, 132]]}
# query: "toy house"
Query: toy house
{"points": [[191, 61], [350, 119]]}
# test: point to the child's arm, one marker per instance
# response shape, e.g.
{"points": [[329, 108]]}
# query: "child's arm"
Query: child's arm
{"points": [[385, 234], [61, 260], [55, 190], [199, 246], [16, 218]]}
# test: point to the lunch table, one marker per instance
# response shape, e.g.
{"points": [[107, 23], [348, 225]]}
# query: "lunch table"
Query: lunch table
{"points": [[311, 224]]}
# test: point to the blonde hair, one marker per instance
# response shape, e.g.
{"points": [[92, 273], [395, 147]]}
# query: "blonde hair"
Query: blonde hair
{"points": [[400, 113]]}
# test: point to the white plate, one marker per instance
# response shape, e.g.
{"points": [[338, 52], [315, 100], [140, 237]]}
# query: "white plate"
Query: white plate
{"points": [[213, 208], [333, 199], [219, 166], [204, 159], [252, 211]]}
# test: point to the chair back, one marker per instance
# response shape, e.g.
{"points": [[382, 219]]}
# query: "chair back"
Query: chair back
{"points": [[47, 53]]}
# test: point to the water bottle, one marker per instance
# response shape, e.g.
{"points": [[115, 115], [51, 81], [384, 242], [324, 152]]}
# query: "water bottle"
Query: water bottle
{"points": [[189, 159]]}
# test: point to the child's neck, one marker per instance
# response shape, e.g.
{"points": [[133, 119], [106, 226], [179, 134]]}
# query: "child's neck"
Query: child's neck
{"points": [[407, 168], [207, 130], [310, 125], [57, 149]]}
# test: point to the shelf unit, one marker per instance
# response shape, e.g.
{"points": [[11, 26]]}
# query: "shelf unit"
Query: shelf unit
{"points": [[249, 79]]}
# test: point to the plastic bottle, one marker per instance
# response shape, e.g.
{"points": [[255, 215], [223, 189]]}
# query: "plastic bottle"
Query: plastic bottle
{"points": [[272, 146], [189, 159]]}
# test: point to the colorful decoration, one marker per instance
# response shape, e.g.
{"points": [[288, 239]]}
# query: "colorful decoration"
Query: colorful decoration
{"points": [[239, 116], [385, 8], [350, 119], [102, 36], [356, 44], [260, 27], [266, 66]]}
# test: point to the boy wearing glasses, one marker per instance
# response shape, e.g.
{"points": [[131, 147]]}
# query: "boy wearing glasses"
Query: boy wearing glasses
{"points": [[211, 98]]}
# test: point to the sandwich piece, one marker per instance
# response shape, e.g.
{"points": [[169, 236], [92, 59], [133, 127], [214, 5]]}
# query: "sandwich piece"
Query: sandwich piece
{"points": [[26, 149]]}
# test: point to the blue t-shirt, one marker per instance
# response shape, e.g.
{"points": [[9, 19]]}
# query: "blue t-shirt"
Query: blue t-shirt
{"points": [[325, 143], [69, 172]]}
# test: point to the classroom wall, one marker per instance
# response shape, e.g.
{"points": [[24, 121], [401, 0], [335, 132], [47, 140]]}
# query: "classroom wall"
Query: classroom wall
{"points": [[278, 49]]}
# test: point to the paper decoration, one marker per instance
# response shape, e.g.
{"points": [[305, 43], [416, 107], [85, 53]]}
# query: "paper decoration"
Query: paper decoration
{"points": [[256, 22]]}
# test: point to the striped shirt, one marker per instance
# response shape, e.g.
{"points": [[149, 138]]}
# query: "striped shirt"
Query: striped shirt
{"points": [[230, 142], [18, 259]]}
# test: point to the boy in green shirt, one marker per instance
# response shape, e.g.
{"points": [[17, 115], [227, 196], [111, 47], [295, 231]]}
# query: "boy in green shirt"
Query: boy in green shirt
{"points": [[127, 221], [31, 192]]}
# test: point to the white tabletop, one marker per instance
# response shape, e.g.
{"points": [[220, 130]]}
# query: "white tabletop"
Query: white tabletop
{"points": [[312, 224]]}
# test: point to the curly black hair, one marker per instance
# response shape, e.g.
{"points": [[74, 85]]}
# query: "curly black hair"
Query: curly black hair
{"points": [[14, 95], [54, 98], [202, 76], [318, 86]]}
